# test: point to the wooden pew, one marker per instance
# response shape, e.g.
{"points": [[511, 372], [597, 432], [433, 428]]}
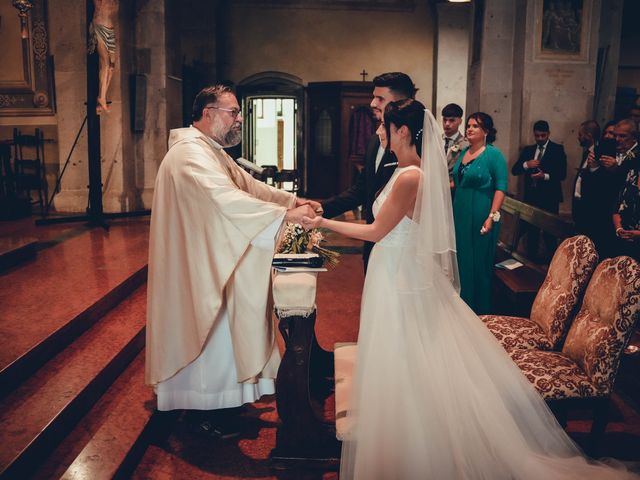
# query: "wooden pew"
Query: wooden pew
{"points": [[515, 290]]}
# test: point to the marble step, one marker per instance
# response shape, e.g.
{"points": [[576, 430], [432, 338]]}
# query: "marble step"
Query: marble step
{"points": [[47, 303], [112, 436], [16, 250], [37, 415]]}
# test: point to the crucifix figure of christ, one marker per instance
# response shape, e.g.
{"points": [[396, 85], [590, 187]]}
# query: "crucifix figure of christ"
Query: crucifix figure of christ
{"points": [[102, 38]]}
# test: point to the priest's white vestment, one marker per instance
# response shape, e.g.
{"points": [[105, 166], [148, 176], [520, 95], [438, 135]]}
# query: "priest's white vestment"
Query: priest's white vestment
{"points": [[210, 338]]}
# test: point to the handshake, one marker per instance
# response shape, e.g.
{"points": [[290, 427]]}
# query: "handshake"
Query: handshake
{"points": [[307, 213]]}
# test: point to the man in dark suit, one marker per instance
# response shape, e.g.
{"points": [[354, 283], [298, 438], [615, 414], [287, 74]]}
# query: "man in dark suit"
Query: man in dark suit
{"points": [[379, 164], [544, 166], [594, 192]]}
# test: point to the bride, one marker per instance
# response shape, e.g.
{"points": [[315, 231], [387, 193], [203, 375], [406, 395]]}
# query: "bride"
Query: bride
{"points": [[435, 395]]}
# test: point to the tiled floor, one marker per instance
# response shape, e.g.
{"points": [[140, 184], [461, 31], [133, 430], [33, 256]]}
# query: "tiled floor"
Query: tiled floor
{"points": [[82, 265]]}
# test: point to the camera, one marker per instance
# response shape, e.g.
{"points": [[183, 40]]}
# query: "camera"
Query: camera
{"points": [[606, 147]]}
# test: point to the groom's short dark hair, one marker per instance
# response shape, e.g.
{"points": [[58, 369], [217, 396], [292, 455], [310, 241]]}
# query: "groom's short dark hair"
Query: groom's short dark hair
{"points": [[397, 82]]}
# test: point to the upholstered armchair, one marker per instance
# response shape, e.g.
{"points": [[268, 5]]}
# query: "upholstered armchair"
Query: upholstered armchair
{"points": [[585, 370], [556, 302]]}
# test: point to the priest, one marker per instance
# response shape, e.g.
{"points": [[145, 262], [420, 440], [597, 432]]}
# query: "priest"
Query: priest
{"points": [[210, 338]]}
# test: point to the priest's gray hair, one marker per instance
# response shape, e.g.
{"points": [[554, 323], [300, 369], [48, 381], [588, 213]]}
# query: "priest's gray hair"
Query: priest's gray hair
{"points": [[206, 96]]}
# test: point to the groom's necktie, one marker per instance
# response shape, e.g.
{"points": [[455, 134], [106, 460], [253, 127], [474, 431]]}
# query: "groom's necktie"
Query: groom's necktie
{"points": [[447, 142]]}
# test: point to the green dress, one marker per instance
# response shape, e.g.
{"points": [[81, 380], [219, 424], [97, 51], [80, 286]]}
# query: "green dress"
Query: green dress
{"points": [[474, 191]]}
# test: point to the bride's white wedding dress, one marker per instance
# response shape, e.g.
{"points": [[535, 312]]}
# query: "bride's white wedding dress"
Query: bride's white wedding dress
{"points": [[435, 395]]}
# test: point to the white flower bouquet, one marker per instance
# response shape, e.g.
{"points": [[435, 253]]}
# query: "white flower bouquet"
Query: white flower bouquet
{"points": [[296, 239]]}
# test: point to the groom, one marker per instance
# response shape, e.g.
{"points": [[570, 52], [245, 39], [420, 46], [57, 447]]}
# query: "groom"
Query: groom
{"points": [[379, 164]]}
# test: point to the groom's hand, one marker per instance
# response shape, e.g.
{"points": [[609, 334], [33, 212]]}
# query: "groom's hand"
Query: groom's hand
{"points": [[294, 215]]}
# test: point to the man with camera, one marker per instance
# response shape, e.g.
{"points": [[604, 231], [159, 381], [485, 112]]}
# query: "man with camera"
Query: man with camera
{"points": [[595, 189], [601, 182], [544, 166]]}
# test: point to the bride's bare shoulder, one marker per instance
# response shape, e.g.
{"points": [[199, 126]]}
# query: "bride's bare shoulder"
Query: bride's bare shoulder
{"points": [[408, 180]]}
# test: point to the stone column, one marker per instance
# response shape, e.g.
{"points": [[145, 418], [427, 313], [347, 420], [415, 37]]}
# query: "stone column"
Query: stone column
{"points": [[496, 70], [150, 146], [452, 55], [609, 54], [67, 27]]}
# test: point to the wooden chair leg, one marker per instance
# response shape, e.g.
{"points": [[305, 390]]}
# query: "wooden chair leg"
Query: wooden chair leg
{"points": [[599, 425], [560, 410]]}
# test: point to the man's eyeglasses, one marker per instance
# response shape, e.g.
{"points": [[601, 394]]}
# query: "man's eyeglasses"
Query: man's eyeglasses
{"points": [[233, 111]]}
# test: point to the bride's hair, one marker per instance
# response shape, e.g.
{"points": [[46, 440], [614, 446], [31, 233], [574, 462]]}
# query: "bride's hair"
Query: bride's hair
{"points": [[407, 112]]}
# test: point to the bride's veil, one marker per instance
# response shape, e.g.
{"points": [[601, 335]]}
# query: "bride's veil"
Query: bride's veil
{"points": [[432, 237]]}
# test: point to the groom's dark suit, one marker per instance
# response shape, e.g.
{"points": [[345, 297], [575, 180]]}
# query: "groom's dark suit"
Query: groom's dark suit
{"points": [[364, 190]]}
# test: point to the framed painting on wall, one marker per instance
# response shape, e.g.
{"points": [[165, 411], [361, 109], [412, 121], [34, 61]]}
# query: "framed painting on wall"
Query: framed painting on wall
{"points": [[26, 76], [562, 30]]}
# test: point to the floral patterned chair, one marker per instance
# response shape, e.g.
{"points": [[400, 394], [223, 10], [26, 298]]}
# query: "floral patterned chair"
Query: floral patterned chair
{"points": [[585, 370], [556, 302]]}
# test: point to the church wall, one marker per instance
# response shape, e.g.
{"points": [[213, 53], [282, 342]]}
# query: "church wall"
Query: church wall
{"points": [[67, 25], [496, 71], [331, 44], [611, 16], [452, 55], [129, 160], [560, 90], [629, 68], [517, 82]]}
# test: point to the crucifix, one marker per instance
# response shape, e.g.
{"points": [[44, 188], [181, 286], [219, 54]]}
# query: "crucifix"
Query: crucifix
{"points": [[364, 74]]}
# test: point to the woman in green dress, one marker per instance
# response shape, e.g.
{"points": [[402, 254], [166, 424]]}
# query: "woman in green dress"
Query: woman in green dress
{"points": [[480, 182]]}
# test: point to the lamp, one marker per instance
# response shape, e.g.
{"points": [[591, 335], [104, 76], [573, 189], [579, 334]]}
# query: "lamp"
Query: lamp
{"points": [[23, 7]]}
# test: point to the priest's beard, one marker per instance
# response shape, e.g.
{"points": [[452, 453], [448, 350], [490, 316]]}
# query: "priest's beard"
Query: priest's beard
{"points": [[224, 135], [233, 137]]}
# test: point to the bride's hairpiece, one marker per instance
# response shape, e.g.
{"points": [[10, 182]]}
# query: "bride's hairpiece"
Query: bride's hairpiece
{"points": [[418, 134]]}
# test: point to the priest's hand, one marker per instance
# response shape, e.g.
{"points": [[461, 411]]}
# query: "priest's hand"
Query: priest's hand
{"points": [[317, 206], [294, 215]]}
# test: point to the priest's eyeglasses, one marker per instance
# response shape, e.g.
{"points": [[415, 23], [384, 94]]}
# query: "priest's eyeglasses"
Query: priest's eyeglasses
{"points": [[233, 111]]}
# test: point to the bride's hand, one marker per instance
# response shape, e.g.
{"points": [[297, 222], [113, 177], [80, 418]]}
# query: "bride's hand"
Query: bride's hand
{"points": [[310, 223], [487, 226]]}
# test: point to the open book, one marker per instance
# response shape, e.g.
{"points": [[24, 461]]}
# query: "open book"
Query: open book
{"points": [[509, 264]]}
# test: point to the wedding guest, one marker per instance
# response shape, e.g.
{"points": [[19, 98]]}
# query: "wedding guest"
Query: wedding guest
{"points": [[626, 219], [379, 164], [210, 341], [595, 191], [454, 141], [480, 178], [544, 166], [608, 130]]}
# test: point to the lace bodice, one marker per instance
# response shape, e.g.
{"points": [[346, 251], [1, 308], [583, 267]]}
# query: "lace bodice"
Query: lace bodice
{"points": [[398, 235]]}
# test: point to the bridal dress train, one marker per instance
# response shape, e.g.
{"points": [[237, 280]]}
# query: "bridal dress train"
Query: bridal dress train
{"points": [[435, 396]]}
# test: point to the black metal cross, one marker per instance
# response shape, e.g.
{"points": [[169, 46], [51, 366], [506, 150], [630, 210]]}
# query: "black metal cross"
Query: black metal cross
{"points": [[364, 74]]}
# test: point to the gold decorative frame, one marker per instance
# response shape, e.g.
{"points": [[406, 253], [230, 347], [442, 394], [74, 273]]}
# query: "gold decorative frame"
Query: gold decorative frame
{"points": [[27, 86], [562, 52]]}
